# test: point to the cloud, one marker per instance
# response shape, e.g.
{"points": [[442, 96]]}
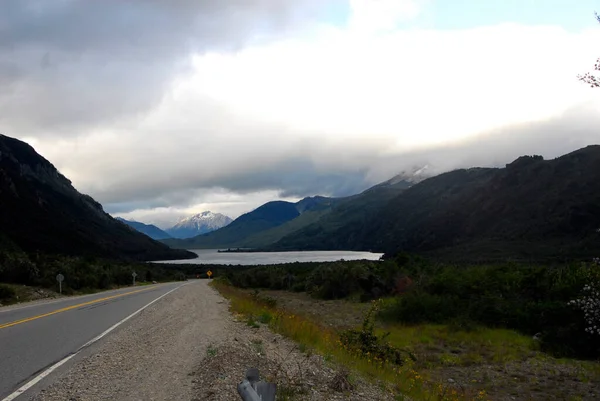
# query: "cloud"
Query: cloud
{"points": [[574, 129], [553, 137], [381, 15], [159, 108], [68, 65]]}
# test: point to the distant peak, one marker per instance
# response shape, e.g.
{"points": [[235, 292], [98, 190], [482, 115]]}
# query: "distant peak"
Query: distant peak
{"points": [[199, 223]]}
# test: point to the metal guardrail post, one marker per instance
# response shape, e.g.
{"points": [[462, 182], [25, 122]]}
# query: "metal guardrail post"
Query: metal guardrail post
{"points": [[251, 389]]}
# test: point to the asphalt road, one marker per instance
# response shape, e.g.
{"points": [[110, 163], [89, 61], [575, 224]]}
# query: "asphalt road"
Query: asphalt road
{"points": [[36, 336]]}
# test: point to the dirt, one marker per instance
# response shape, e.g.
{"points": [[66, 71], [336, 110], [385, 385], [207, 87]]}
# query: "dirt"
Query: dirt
{"points": [[525, 380]]}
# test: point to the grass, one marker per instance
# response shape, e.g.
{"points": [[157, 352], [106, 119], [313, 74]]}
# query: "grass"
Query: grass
{"points": [[453, 361], [404, 381], [211, 351], [258, 346], [436, 345]]}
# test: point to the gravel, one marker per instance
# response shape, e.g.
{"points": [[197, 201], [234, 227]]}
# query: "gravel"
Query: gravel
{"points": [[187, 346], [298, 375], [151, 357]]}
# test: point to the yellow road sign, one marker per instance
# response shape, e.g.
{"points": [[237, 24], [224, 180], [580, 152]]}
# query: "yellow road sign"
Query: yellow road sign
{"points": [[209, 273]]}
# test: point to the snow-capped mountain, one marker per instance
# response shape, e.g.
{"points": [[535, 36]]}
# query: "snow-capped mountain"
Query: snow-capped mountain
{"points": [[197, 224]]}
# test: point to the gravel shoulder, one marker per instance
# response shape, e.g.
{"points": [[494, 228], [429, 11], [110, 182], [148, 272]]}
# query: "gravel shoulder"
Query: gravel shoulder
{"points": [[299, 374], [188, 346], [152, 356]]}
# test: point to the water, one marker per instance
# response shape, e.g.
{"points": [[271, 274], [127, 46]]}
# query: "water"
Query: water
{"points": [[211, 256]]}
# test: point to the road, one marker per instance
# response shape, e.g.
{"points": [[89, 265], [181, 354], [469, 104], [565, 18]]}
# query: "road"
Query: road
{"points": [[35, 337]]}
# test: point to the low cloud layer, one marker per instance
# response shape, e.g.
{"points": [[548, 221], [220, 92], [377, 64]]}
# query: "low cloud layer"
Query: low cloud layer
{"points": [[163, 108]]}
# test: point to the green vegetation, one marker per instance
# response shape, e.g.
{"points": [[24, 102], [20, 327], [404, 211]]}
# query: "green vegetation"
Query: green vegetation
{"points": [[367, 344], [6, 292], [312, 336], [452, 357], [211, 351], [533, 300], [82, 274]]}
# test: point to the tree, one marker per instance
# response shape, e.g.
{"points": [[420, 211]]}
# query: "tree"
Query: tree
{"points": [[592, 79]]}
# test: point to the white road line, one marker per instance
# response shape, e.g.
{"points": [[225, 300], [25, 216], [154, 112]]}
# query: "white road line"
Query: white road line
{"points": [[58, 364]]}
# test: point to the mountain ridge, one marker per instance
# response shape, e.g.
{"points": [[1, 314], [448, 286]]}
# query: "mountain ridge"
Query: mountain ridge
{"points": [[265, 217], [150, 230], [530, 209], [40, 211]]}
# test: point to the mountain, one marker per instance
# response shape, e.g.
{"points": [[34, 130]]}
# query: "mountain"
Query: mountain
{"points": [[408, 177], [253, 224], [149, 229], [351, 215], [532, 209], [198, 224], [40, 211]]}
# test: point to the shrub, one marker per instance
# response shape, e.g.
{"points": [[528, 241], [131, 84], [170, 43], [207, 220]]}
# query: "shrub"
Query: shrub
{"points": [[367, 344], [589, 301], [6, 292]]}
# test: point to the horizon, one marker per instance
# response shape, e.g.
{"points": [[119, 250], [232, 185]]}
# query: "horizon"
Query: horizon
{"points": [[166, 116]]}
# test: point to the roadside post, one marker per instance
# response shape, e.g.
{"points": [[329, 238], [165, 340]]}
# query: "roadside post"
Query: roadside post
{"points": [[134, 275], [60, 278]]}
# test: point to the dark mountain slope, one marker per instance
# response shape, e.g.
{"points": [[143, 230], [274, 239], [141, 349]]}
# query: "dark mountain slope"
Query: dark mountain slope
{"points": [[311, 212], [532, 209], [40, 211], [342, 227], [148, 229]]}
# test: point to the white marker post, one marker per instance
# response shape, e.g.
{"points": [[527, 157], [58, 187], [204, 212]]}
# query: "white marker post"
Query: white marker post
{"points": [[134, 275], [60, 278]]}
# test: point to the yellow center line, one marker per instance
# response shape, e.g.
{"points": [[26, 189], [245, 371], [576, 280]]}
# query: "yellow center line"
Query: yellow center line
{"points": [[95, 301]]}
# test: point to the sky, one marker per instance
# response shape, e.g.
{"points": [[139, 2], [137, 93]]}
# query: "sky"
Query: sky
{"points": [[160, 109]]}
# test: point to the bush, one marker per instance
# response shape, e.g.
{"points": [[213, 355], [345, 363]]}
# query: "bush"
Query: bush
{"points": [[6, 292], [367, 344], [531, 300]]}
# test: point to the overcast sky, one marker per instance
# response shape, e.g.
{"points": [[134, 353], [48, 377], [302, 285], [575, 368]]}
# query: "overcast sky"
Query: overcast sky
{"points": [[164, 108]]}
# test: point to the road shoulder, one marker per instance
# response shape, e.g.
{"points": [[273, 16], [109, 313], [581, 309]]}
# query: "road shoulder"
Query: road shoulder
{"points": [[151, 357]]}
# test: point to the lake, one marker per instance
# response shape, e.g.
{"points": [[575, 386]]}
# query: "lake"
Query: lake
{"points": [[211, 256]]}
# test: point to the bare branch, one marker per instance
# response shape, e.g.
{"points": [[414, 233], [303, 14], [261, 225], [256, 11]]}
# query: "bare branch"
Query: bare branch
{"points": [[590, 78]]}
